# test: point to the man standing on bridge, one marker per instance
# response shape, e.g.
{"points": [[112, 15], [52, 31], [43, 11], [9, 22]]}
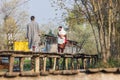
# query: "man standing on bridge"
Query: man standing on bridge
{"points": [[61, 39], [33, 37], [33, 34]]}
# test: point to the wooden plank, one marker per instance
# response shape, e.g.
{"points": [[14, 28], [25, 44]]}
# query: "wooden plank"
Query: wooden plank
{"points": [[21, 55], [2, 73], [44, 73], [12, 74], [56, 72], [5, 54], [41, 56], [52, 56], [29, 74], [68, 56]]}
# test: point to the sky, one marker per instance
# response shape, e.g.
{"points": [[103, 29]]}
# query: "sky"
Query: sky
{"points": [[43, 11]]}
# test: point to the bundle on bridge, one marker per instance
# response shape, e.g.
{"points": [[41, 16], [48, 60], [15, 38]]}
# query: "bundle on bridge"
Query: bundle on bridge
{"points": [[71, 63]]}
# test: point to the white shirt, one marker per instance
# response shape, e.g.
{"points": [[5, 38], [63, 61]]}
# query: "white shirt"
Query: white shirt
{"points": [[61, 40]]}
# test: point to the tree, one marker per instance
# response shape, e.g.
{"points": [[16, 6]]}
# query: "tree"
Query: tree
{"points": [[13, 19], [102, 15]]}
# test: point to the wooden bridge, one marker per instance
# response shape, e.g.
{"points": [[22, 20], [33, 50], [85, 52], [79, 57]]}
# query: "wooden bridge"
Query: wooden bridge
{"points": [[70, 63]]}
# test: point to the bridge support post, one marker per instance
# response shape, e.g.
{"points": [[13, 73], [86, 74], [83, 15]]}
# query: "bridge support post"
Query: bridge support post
{"points": [[78, 63], [84, 63], [21, 64], [66, 63], [37, 64], [90, 60], [54, 64], [44, 64], [32, 62], [11, 63], [72, 63]]}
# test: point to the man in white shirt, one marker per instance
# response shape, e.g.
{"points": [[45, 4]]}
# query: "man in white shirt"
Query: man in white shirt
{"points": [[61, 39]]}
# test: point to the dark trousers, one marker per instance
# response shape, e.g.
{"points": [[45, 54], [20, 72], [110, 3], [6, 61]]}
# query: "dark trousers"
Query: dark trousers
{"points": [[61, 47]]}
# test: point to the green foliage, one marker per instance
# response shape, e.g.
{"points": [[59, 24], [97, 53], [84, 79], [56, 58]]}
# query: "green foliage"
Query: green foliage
{"points": [[83, 33], [112, 63], [27, 67], [50, 33], [13, 19]]}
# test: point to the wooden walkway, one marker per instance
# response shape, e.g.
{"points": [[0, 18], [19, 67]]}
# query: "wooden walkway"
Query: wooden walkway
{"points": [[71, 63]]}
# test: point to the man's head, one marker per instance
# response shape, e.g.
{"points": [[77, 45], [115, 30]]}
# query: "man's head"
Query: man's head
{"points": [[60, 28], [32, 18]]}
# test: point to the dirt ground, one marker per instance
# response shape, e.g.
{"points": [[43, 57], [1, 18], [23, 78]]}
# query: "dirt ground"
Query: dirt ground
{"points": [[80, 76]]}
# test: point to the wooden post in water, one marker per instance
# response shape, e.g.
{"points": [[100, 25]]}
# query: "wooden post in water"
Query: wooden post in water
{"points": [[11, 63], [21, 64]]}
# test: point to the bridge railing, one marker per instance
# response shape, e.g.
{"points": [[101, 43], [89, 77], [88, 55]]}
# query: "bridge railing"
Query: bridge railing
{"points": [[39, 62]]}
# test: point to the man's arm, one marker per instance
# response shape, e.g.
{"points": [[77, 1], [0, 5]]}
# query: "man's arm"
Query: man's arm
{"points": [[27, 31]]}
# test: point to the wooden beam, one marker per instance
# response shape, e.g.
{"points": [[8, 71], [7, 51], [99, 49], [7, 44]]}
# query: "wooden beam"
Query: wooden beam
{"points": [[21, 55]]}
